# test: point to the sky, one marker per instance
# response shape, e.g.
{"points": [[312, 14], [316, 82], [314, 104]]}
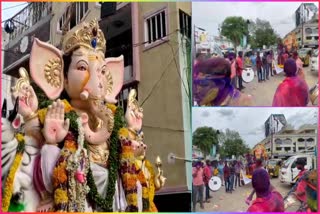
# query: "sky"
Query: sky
{"points": [[249, 122], [281, 15], [9, 9]]}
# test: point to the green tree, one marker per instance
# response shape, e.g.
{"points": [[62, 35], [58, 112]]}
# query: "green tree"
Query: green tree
{"points": [[234, 28], [232, 144], [262, 33], [204, 138]]}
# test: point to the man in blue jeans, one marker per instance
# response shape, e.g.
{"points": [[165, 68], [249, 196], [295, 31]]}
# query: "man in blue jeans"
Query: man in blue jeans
{"points": [[232, 174], [226, 174], [265, 71]]}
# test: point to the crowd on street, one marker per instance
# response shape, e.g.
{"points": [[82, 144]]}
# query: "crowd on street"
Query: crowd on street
{"points": [[264, 197], [218, 81]]}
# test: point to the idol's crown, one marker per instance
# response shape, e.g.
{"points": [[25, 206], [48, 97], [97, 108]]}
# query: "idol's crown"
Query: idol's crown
{"points": [[87, 35]]}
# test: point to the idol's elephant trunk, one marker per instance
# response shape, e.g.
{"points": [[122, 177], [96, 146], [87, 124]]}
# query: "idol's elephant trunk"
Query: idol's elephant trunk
{"points": [[105, 119]]}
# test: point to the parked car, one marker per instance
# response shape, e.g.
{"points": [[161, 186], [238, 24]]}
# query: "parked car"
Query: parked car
{"points": [[273, 167], [289, 172], [315, 62], [304, 54]]}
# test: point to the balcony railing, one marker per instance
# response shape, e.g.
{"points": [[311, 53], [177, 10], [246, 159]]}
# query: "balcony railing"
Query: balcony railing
{"points": [[29, 16]]}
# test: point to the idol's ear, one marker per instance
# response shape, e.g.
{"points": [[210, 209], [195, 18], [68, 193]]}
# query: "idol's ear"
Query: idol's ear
{"points": [[46, 68], [114, 78]]}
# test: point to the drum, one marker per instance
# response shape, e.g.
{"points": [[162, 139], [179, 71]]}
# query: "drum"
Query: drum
{"points": [[247, 75], [215, 183]]}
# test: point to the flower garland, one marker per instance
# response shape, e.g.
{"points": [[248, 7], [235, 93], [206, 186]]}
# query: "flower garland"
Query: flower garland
{"points": [[60, 176], [131, 173], [8, 189], [152, 188], [106, 203], [77, 167]]}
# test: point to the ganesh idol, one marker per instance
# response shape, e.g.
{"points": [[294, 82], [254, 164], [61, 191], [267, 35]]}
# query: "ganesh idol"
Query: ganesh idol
{"points": [[75, 128]]}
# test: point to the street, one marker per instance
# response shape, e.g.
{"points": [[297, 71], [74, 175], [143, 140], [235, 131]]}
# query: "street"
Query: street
{"points": [[263, 92], [235, 201]]}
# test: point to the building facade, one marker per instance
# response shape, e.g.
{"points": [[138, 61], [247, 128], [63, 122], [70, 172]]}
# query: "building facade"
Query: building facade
{"points": [[6, 80], [290, 141], [154, 39]]}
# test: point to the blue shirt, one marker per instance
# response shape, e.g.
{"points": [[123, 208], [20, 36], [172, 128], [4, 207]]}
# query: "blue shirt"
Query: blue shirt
{"points": [[253, 60]]}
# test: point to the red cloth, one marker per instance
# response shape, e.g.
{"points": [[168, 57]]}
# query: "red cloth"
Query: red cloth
{"points": [[272, 203], [293, 91], [198, 178], [207, 174], [301, 188], [239, 66], [258, 62], [226, 171]]}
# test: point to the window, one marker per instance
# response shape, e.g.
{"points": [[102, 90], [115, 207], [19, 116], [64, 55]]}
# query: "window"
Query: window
{"points": [[278, 141], [308, 31], [123, 95], [156, 27], [316, 37], [287, 149], [300, 140], [308, 37], [78, 11], [185, 24]]}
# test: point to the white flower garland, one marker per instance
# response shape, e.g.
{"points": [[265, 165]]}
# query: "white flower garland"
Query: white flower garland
{"points": [[80, 138]]}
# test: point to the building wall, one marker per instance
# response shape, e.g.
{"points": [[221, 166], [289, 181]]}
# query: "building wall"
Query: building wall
{"points": [[59, 8], [186, 96], [293, 139], [163, 123], [6, 80]]}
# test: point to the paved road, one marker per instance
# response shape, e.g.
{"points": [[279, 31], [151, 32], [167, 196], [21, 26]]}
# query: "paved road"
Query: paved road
{"points": [[235, 202], [263, 92]]}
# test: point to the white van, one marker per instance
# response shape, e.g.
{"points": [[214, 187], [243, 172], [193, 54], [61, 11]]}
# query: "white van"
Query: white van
{"points": [[289, 172]]}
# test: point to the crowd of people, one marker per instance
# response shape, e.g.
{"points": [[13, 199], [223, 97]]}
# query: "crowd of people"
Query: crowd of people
{"points": [[228, 172], [217, 81], [267, 198]]}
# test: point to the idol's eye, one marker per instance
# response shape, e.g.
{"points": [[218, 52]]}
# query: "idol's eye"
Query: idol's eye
{"points": [[82, 66], [103, 71]]}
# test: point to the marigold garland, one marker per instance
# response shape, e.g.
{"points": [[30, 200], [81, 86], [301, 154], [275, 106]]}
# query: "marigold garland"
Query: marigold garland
{"points": [[106, 204], [8, 189], [152, 188], [131, 173]]}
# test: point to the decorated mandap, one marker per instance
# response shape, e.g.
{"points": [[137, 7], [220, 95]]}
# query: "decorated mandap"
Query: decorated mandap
{"points": [[66, 147]]}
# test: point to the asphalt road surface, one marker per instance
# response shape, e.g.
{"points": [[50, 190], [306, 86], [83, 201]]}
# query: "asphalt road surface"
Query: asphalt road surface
{"points": [[235, 201], [263, 92]]}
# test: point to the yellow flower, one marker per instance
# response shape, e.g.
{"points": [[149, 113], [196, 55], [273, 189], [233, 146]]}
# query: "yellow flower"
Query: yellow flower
{"points": [[145, 192], [132, 199], [42, 114], [20, 137], [8, 190], [112, 107], [123, 132], [67, 106], [60, 196]]}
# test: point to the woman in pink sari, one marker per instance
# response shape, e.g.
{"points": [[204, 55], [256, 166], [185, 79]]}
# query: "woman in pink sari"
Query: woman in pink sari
{"points": [[293, 90]]}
